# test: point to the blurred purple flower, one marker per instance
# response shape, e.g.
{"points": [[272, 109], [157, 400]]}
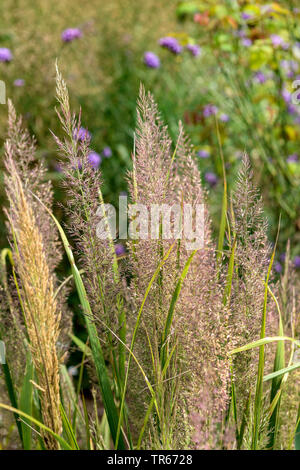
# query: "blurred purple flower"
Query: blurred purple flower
{"points": [[260, 77], [194, 49], [282, 257], [278, 267], [203, 154], [246, 42], [278, 41], [293, 158], [171, 43], [120, 249], [297, 261], [106, 152], [5, 54], [82, 134], [19, 82], [209, 110], [94, 159], [246, 16], [70, 34], [286, 95], [151, 60], [224, 117], [211, 178]]}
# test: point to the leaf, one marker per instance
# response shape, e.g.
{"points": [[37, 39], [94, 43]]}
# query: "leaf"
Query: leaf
{"points": [[26, 402]]}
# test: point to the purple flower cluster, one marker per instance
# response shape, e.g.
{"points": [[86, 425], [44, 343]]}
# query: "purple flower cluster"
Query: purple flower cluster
{"points": [[293, 158], [211, 178], [171, 44], [194, 49], [5, 54], [82, 134], [246, 42], [120, 249], [70, 34], [95, 160], [19, 82], [203, 153], [278, 41], [209, 110], [106, 152], [151, 60]]}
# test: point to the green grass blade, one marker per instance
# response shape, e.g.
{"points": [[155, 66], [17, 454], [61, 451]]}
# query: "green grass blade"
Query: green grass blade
{"points": [[68, 430], [59, 439], [25, 403], [262, 342], [281, 372]]}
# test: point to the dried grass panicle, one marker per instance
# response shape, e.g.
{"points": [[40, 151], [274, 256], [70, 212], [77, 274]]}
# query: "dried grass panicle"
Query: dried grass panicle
{"points": [[199, 369], [34, 270]]}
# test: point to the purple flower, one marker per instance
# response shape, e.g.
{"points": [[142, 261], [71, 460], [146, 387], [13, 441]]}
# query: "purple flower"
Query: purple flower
{"points": [[19, 82], [106, 152], [282, 257], [151, 60], [120, 249], [293, 158], [286, 95], [246, 16], [246, 42], [82, 134], [209, 110], [278, 41], [171, 43], [260, 77], [5, 54], [224, 117], [194, 49], [70, 34], [291, 109], [211, 178], [278, 267], [94, 159], [203, 153], [297, 261]]}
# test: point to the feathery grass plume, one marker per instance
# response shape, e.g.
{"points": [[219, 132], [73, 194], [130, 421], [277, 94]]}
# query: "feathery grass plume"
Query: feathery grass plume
{"points": [[202, 321], [41, 314], [35, 248], [252, 257], [182, 366], [82, 183], [33, 175]]}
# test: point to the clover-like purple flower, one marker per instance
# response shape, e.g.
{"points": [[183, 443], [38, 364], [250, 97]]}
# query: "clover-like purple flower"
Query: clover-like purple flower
{"points": [[224, 117], [5, 54], [278, 41], [19, 82], [209, 110], [70, 34], [203, 153], [94, 160], [278, 267], [293, 158], [120, 249], [82, 134], [297, 262], [211, 178], [246, 42], [106, 152], [151, 60], [171, 44], [194, 49]]}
